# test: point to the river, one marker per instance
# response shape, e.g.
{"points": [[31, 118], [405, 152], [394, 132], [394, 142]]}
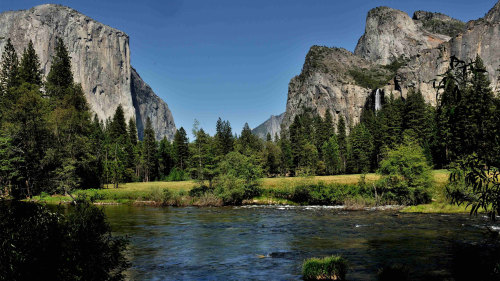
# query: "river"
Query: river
{"points": [[270, 243]]}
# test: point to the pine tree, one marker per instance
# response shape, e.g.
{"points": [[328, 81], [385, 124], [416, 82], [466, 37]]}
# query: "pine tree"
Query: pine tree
{"points": [[224, 137], [60, 77], [203, 157], [181, 149], [166, 158], [342, 142], [132, 131], [118, 126], [29, 69], [9, 69], [71, 124], [331, 155], [361, 146], [149, 153]]}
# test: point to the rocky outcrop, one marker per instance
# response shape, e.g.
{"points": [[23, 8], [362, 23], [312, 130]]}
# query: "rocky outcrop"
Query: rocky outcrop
{"points": [[100, 57], [391, 34], [328, 82], [481, 37], [271, 126], [396, 53], [148, 105]]}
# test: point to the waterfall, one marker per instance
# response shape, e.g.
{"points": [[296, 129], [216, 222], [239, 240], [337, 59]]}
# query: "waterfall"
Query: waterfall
{"points": [[377, 100]]}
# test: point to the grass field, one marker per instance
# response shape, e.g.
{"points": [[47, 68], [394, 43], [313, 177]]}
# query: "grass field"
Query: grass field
{"points": [[150, 191]]}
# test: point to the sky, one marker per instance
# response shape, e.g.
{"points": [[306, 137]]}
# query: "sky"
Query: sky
{"points": [[232, 58]]}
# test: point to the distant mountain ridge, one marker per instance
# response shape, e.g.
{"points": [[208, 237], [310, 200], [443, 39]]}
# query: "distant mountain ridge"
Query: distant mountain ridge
{"points": [[271, 126], [100, 57]]}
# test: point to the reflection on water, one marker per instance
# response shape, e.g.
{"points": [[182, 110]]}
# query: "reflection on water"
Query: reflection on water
{"points": [[270, 243]]}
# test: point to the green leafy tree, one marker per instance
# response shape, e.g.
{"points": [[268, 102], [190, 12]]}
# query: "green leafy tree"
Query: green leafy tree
{"points": [[406, 176], [181, 149], [203, 157]]}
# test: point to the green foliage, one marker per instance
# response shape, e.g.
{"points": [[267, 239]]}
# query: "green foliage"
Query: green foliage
{"points": [[237, 178], [406, 177], [38, 244], [29, 69], [450, 28], [181, 150], [223, 137], [360, 148], [150, 152], [328, 268], [331, 155], [177, 175], [475, 185], [9, 72]]}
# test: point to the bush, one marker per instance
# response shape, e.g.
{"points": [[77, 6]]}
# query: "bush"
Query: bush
{"points": [[233, 190], [406, 176], [329, 268], [38, 244], [177, 175], [238, 179]]}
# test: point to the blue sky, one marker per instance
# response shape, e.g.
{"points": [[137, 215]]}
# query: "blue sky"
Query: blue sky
{"points": [[234, 58]]}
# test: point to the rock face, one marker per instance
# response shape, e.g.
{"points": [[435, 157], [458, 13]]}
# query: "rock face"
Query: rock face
{"points": [[396, 53], [390, 34], [148, 104], [100, 58], [271, 126], [327, 83], [480, 37]]}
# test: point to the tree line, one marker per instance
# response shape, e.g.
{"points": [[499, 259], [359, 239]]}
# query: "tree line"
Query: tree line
{"points": [[49, 141]]}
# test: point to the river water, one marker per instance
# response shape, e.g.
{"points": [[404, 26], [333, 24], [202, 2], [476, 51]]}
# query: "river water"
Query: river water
{"points": [[270, 243]]}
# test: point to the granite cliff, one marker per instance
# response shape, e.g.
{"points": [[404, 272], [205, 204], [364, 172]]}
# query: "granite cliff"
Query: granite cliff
{"points": [[271, 126], [100, 57], [395, 54]]}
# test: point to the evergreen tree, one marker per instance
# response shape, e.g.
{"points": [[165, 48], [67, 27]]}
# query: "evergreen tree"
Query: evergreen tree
{"points": [[149, 153], [9, 69], [181, 149], [331, 155], [360, 144], [342, 142], [70, 122], [132, 131], [60, 77], [224, 137], [29, 69], [118, 127], [203, 157], [268, 137], [166, 158]]}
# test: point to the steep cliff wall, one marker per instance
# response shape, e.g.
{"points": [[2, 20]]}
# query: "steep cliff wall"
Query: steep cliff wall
{"points": [[271, 126], [390, 34], [340, 81], [481, 37], [100, 56]]}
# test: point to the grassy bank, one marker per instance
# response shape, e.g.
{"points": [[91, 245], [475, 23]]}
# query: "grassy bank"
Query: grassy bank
{"points": [[340, 189]]}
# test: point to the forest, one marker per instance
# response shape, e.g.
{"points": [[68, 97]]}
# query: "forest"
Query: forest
{"points": [[51, 143]]}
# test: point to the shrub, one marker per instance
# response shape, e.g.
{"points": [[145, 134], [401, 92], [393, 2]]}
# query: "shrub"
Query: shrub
{"points": [[238, 179], [38, 244], [233, 190], [328, 268], [406, 176], [177, 175]]}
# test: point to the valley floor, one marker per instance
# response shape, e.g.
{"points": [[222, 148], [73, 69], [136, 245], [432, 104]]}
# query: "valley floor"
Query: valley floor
{"points": [[150, 193]]}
